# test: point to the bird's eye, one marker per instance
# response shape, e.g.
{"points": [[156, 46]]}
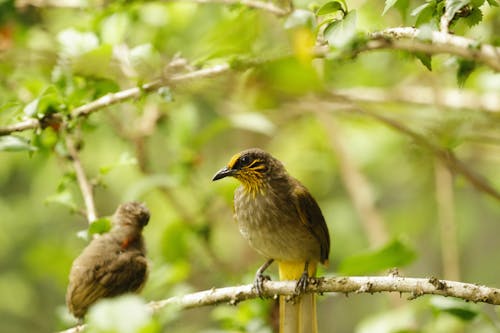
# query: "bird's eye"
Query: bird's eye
{"points": [[245, 160]]}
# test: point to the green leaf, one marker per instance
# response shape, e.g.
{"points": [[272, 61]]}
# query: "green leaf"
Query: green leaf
{"points": [[125, 159], [300, 18], [425, 59], [425, 13], [13, 143], [493, 3], [388, 5], [74, 43], [64, 198], [48, 101], [330, 8], [114, 28], [394, 254], [458, 308], [94, 63], [99, 226], [474, 17], [417, 11], [253, 121], [453, 6], [166, 94], [340, 32], [465, 69], [124, 314]]}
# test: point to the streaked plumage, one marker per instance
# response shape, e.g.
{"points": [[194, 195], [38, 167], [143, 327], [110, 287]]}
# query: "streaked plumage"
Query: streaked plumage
{"points": [[282, 221]]}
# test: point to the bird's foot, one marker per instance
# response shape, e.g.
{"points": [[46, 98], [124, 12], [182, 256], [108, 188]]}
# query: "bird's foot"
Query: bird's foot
{"points": [[302, 283], [258, 283]]}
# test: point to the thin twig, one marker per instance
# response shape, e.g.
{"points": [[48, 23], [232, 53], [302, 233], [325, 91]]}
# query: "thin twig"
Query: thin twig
{"points": [[419, 95], [404, 38], [446, 156], [85, 186], [416, 287], [30, 123], [135, 92], [414, 40], [446, 219]]}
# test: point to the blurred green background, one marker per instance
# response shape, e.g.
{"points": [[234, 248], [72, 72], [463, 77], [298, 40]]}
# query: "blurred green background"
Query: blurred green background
{"points": [[163, 149]]}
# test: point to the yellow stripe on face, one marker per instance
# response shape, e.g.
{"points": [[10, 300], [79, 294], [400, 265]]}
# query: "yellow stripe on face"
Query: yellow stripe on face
{"points": [[233, 160]]}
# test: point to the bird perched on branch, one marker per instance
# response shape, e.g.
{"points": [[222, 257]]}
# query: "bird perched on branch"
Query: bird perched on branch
{"points": [[112, 264], [280, 219]]}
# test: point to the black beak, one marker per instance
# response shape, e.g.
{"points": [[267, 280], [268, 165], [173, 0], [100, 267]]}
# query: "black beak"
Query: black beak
{"points": [[224, 172]]}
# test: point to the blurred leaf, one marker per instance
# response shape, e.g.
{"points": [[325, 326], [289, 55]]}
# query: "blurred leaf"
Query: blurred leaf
{"points": [[94, 63], [456, 307], [64, 198], [398, 320], [125, 159], [290, 76], [74, 43], [47, 139], [493, 3], [303, 43], [114, 28], [425, 59], [388, 5], [474, 18], [329, 8], [393, 254], [124, 314], [175, 242], [465, 69], [425, 13], [13, 143], [99, 226], [48, 101], [453, 6], [147, 184], [253, 121], [341, 32], [166, 94], [300, 18]]}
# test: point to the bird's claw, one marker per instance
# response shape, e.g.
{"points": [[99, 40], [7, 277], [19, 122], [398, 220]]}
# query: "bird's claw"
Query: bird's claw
{"points": [[302, 283], [258, 283]]}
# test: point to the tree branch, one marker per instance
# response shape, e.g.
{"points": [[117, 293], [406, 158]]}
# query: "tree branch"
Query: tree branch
{"points": [[414, 40], [416, 287], [135, 92], [30, 123], [448, 98], [404, 38], [85, 186]]}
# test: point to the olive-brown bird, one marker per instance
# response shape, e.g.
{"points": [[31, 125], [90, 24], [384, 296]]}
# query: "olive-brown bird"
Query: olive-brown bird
{"points": [[112, 264], [282, 221]]}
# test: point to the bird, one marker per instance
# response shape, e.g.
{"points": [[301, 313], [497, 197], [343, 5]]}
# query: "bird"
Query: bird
{"points": [[113, 263], [282, 221]]}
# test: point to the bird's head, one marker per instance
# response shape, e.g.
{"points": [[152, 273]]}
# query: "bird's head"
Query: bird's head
{"points": [[132, 214], [252, 167]]}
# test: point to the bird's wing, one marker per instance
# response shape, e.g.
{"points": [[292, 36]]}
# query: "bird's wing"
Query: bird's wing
{"points": [[126, 273], [107, 277], [311, 216]]}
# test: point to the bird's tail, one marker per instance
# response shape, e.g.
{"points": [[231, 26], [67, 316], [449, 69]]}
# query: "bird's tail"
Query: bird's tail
{"points": [[298, 315]]}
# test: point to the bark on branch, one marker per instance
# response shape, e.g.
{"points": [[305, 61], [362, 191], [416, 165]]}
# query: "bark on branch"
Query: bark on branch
{"points": [[415, 287]]}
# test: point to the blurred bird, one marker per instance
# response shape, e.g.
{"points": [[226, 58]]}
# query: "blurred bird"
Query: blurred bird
{"points": [[112, 264], [280, 219]]}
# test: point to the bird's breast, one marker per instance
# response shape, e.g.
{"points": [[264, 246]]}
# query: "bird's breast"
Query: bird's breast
{"points": [[271, 224]]}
